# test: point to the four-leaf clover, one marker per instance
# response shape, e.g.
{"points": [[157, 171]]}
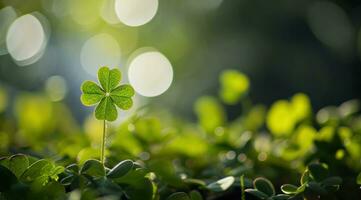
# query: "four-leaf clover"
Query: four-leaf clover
{"points": [[109, 94]]}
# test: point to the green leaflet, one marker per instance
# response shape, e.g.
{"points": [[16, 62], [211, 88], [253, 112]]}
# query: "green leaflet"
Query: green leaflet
{"points": [[92, 93], [106, 110], [108, 79]]}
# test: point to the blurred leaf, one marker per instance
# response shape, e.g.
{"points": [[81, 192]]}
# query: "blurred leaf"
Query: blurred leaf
{"points": [[234, 85], [331, 181], [35, 117], [315, 187], [318, 171], [195, 195], [264, 186], [149, 129], [210, 113], [18, 164], [305, 177], [178, 196], [289, 189], [280, 120], [38, 169], [188, 144], [222, 184], [358, 179], [349, 107], [257, 193], [301, 106], [120, 169], [74, 168], [93, 168], [86, 154], [8, 179]]}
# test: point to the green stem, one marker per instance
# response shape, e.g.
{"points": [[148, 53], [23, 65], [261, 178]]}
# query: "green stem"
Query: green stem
{"points": [[242, 187], [102, 157]]}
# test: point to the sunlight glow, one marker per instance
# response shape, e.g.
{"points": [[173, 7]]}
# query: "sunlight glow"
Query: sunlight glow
{"points": [[150, 73], [56, 88], [26, 39], [136, 12], [100, 50]]}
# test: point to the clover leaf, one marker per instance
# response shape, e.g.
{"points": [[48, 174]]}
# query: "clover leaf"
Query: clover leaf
{"points": [[108, 95]]}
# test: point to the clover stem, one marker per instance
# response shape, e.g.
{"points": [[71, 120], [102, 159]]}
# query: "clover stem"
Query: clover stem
{"points": [[102, 156]]}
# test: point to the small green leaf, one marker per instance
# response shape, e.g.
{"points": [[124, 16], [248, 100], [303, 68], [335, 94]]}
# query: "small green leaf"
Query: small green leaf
{"points": [[358, 179], [109, 79], [140, 189], [106, 110], [18, 164], [222, 184], [178, 196], [257, 193], [120, 169], [318, 171], [316, 188], [264, 186], [92, 93], [332, 181], [195, 195], [7, 179], [289, 189], [73, 168], [36, 170], [305, 177], [67, 180], [93, 168]]}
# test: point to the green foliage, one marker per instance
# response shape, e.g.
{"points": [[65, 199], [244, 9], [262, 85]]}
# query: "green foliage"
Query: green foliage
{"points": [[358, 179], [109, 94], [212, 158], [210, 113], [314, 182], [284, 115], [234, 85], [120, 169]]}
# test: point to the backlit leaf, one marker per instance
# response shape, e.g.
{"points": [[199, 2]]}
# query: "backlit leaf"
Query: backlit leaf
{"points": [[109, 79], [106, 110], [92, 93]]}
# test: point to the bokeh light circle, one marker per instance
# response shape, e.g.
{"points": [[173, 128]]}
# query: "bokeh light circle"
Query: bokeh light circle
{"points": [[56, 88], [150, 73], [100, 50], [136, 12], [25, 38]]}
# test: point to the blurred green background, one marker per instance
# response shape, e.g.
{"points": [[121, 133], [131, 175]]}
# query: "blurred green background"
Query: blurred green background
{"points": [[283, 46], [250, 92]]}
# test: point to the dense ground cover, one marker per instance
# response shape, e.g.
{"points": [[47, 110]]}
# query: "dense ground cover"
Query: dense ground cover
{"points": [[155, 154]]}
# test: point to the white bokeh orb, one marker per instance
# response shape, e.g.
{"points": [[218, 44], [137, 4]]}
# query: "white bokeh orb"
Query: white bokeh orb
{"points": [[56, 88], [100, 50], [25, 38], [150, 73], [136, 12]]}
